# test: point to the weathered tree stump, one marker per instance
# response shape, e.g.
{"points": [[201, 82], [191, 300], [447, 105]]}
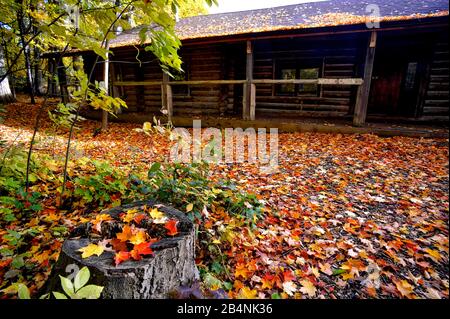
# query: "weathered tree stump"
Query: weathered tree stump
{"points": [[154, 277]]}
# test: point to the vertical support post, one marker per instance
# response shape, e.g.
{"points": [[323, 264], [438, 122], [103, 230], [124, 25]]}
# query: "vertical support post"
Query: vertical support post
{"points": [[252, 101], [424, 71], [362, 100], [249, 78], [169, 102], [245, 112], [167, 97]]}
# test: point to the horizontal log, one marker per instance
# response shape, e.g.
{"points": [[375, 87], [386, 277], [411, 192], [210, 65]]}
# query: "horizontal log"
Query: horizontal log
{"points": [[287, 106], [318, 81], [156, 83], [289, 113], [436, 110]]}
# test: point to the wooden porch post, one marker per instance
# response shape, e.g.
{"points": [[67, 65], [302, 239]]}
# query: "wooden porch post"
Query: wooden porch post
{"points": [[362, 100], [169, 102], [167, 97], [249, 99], [252, 101]]}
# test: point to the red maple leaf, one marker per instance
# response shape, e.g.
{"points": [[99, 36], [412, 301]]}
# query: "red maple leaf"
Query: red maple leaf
{"points": [[139, 218], [288, 275], [118, 245], [143, 249], [122, 256], [171, 227]]}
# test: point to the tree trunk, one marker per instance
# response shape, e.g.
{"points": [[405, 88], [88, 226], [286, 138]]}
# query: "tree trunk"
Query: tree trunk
{"points": [[38, 76], [52, 88], [156, 277], [62, 80], [26, 53], [6, 95], [106, 86]]}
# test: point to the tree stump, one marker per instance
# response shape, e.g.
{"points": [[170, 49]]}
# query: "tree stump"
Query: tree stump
{"points": [[171, 266]]}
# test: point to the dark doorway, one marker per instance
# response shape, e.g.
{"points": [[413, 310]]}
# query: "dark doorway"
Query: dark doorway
{"points": [[395, 87]]}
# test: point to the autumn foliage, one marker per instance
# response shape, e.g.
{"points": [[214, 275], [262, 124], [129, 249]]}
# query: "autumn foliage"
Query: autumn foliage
{"points": [[347, 216]]}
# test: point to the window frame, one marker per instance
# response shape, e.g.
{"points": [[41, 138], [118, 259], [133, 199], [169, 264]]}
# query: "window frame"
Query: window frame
{"points": [[298, 65]]}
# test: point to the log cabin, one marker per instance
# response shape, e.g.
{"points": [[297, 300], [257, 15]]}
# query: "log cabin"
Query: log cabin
{"points": [[350, 59]]}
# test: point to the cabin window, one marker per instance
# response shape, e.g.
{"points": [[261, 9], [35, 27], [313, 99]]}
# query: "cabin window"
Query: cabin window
{"points": [[181, 90], [295, 71], [309, 74], [288, 74], [411, 75]]}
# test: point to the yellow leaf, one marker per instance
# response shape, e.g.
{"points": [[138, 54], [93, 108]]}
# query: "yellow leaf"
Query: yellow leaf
{"points": [[315, 272], [308, 288], [91, 250], [147, 127], [247, 293], [189, 207], [404, 287], [156, 214], [129, 216], [138, 238], [433, 254]]}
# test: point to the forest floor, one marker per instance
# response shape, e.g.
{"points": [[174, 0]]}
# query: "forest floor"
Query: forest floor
{"points": [[348, 216]]}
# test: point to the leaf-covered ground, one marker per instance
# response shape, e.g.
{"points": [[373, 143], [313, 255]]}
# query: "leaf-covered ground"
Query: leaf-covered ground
{"points": [[348, 216]]}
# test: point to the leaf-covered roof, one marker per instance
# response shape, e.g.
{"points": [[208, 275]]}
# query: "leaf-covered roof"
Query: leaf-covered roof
{"points": [[299, 16]]}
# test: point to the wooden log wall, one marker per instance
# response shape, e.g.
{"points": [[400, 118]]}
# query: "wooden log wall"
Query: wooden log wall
{"points": [[436, 103], [201, 63], [335, 56]]}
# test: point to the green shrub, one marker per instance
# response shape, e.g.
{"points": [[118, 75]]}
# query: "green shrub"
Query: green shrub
{"points": [[105, 185], [188, 188]]}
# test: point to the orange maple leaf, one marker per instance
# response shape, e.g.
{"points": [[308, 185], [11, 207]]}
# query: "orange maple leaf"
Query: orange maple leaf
{"points": [[121, 256], [126, 234], [139, 218], [354, 266], [267, 281], [97, 223], [241, 271]]}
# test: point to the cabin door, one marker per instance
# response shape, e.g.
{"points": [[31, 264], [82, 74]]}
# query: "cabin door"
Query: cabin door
{"points": [[394, 87]]}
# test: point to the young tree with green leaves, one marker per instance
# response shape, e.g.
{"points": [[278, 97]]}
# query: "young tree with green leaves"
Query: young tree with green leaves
{"points": [[87, 25]]}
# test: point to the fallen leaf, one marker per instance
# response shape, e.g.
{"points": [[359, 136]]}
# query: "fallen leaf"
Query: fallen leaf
{"points": [[90, 250], [171, 227], [308, 288]]}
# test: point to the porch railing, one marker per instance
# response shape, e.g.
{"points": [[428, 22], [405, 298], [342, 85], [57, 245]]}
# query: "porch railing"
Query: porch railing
{"points": [[249, 102]]}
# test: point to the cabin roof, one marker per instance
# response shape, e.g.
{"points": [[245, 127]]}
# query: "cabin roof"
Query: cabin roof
{"points": [[294, 17]]}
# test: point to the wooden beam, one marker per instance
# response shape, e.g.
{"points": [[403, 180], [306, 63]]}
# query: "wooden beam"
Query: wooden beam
{"points": [[362, 100], [249, 78], [245, 97], [163, 84], [252, 101], [321, 81], [199, 83], [313, 32], [347, 81], [169, 103]]}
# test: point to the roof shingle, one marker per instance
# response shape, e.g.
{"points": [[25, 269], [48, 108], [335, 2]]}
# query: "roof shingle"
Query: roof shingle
{"points": [[300, 16]]}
